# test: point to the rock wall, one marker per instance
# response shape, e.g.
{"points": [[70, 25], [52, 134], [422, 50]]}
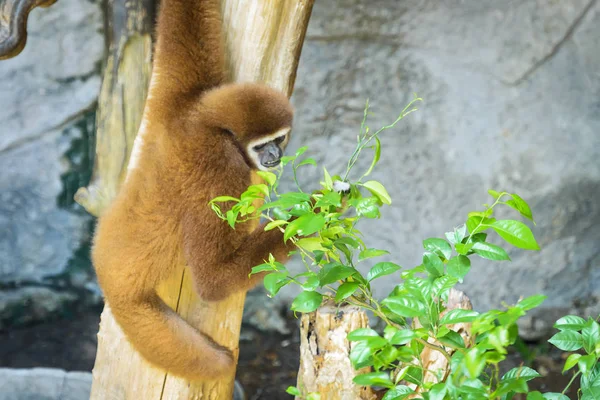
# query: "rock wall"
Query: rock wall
{"points": [[511, 92], [512, 102], [47, 100]]}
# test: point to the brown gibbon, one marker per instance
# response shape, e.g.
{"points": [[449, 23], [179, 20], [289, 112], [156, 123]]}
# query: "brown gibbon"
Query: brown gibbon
{"points": [[200, 138]]}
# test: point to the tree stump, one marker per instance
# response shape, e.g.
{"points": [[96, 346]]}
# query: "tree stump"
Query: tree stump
{"points": [[325, 366], [434, 362]]}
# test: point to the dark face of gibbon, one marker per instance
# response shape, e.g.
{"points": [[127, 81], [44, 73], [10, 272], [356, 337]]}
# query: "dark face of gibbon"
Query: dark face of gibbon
{"points": [[258, 117]]}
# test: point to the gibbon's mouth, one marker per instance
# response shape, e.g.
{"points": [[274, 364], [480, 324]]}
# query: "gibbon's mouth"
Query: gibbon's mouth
{"points": [[270, 155]]}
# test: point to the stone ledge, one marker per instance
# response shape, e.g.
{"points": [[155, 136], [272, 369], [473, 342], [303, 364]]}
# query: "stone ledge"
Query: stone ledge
{"points": [[44, 384]]}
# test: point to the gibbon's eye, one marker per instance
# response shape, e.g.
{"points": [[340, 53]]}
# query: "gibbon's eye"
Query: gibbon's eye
{"points": [[260, 146], [280, 139]]}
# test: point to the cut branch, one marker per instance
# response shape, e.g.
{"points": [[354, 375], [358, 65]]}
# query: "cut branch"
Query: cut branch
{"points": [[13, 24]]}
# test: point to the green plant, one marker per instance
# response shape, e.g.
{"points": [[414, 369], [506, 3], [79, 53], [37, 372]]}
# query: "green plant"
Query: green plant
{"points": [[323, 226]]}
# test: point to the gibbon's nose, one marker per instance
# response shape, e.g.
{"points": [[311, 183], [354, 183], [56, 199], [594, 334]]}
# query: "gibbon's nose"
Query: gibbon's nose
{"points": [[270, 155]]}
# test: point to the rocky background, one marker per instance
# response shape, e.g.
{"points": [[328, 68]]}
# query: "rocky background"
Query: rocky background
{"points": [[511, 95]]}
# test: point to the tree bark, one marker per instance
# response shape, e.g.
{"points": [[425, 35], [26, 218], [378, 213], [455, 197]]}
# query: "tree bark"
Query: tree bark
{"points": [[325, 366], [264, 40]]}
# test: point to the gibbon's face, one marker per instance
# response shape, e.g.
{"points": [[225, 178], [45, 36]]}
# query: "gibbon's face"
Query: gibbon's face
{"points": [[266, 152], [256, 116]]}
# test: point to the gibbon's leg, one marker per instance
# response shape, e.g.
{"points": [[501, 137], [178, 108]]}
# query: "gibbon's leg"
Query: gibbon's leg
{"points": [[222, 276]]}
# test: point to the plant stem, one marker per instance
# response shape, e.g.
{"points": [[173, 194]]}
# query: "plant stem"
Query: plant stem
{"points": [[571, 382]]}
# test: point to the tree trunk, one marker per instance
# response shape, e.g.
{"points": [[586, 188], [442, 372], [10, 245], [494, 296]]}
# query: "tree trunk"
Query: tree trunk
{"points": [[325, 366], [264, 40]]}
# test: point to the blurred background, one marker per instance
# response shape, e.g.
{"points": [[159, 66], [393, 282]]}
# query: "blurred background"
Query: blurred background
{"points": [[511, 95]]}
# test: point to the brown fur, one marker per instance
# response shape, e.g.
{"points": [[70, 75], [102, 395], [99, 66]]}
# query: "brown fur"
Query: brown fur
{"points": [[161, 219]]}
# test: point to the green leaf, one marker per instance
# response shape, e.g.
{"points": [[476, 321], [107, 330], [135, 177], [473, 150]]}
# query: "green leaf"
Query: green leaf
{"points": [[516, 233], [231, 217], [293, 391], [586, 363], [311, 244], [275, 224], [376, 156], [490, 251], [348, 242], [301, 151], [458, 267], [494, 194], [567, 340], [452, 339], [280, 214], [400, 392], [591, 336], [306, 161], [334, 272], [329, 199], [570, 323], [360, 355], [311, 283], [362, 334], [268, 177], [346, 290], [474, 363], [307, 301], [262, 268], [367, 207], [328, 180], [457, 235], [313, 396], [381, 269], [443, 284], [520, 205], [478, 224], [275, 281], [404, 306], [571, 362], [380, 378], [223, 199], [433, 264], [437, 391], [555, 396], [458, 315], [403, 336], [462, 248], [379, 191], [438, 246], [531, 302], [370, 253], [525, 373], [304, 225]]}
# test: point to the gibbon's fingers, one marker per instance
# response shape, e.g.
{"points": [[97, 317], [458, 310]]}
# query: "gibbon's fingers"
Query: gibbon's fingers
{"points": [[164, 339]]}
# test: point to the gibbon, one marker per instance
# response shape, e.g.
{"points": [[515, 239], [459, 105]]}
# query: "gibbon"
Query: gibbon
{"points": [[200, 138]]}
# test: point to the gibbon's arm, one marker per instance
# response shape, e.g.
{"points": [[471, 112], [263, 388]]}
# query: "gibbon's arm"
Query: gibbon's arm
{"points": [[189, 56], [223, 270]]}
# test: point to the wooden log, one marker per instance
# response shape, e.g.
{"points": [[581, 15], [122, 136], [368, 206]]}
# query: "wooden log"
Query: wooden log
{"points": [[325, 366], [264, 40], [13, 24]]}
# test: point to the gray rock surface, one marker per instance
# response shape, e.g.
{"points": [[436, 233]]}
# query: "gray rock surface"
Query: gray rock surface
{"points": [[511, 92], [44, 91], [44, 384]]}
